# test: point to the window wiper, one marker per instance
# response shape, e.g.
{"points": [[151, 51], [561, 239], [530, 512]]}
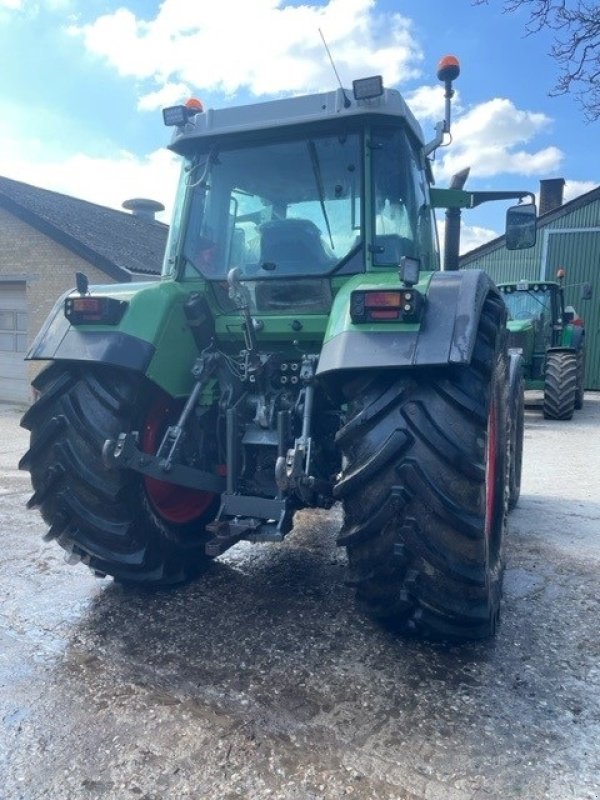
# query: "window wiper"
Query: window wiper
{"points": [[314, 160]]}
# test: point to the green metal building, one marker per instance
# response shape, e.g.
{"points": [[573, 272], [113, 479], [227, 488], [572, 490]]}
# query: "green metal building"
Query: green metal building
{"points": [[568, 237]]}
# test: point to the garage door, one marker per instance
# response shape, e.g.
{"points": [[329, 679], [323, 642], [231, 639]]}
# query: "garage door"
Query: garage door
{"points": [[14, 385]]}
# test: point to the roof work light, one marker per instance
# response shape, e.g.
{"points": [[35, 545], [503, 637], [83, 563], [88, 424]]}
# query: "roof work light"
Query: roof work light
{"points": [[367, 88], [177, 116]]}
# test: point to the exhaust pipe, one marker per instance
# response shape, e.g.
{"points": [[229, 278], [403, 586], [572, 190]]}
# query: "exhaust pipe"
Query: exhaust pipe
{"points": [[452, 234]]}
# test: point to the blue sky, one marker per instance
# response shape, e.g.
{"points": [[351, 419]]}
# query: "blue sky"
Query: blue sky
{"points": [[83, 82]]}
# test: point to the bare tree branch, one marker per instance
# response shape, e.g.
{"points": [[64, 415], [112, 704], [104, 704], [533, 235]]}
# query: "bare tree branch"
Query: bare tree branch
{"points": [[576, 45]]}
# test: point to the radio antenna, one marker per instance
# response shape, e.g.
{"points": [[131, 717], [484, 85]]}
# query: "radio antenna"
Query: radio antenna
{"points": [[347, 102]]}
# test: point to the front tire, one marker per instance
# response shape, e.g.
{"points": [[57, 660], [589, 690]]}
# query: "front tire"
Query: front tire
{"points": [[115, 521], [424, 490], [560, 384]]}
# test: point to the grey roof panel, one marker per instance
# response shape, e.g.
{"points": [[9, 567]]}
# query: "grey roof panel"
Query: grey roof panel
{"points": [[288, 111]]}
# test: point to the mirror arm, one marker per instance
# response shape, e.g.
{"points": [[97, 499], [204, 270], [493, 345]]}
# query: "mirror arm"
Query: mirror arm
{"points": [[477, 198]]}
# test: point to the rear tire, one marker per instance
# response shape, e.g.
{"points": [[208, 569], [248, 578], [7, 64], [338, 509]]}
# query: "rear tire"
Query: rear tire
{"points": [[115, 521], [517, 432], [560, 384], [424, 490], [580, 391]]}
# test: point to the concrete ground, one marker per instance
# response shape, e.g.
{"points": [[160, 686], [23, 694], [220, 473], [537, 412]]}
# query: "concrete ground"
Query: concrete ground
{"points": [[262, 680]]}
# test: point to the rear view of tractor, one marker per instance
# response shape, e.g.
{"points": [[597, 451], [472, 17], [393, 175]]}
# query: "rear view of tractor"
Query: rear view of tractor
{"points": [[303, 348], [551, 339]]}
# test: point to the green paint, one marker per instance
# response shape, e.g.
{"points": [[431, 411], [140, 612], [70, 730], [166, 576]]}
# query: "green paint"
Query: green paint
{"points": [[155, 315], [339, 320], [450, 198], [278, 330], [567, 336]]}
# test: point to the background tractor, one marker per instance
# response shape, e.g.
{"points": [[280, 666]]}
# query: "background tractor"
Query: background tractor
{"points": [[551, 339], [302, 348]]}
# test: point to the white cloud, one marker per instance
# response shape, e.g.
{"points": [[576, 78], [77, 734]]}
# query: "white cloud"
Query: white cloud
{"points": [[490, 139], [168, 95], [472, 236], [427, 103], [11, 5], [262, 46], [106, 181], [575, 188]]}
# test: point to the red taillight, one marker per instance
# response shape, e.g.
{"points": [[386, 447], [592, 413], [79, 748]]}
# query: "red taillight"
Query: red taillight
{"points": [[91, 307], [383, 299], [94, 310], [390, 306], [385, 313]]}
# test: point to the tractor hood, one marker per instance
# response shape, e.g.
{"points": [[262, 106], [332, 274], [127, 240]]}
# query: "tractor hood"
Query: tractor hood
{"points": [[521, 336], [519, 325]]}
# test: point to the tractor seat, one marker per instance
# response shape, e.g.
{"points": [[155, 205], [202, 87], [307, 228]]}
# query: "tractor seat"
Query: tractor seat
{"points": [[293, 245], [390, 247]]}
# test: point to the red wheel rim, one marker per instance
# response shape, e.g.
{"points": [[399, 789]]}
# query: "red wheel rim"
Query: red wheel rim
{"points": [[176, 504], [490, 469]]}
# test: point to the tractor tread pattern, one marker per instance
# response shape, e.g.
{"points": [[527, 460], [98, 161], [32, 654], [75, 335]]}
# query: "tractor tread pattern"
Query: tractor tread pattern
{"points": [[580, 392], [100, 515], [414, 518], [560, 384], [517, 433]]}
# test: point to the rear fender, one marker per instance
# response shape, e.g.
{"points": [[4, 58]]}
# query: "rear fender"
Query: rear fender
{"points": [[153, 336], [445, 335], [561, 349], [515, 374]]}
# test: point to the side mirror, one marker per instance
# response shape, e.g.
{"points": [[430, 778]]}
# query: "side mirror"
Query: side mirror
{"points": [[521, 227], [587, 291]]}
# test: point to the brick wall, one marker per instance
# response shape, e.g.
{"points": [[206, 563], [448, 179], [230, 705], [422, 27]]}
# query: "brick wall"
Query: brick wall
{"points": [[47, 268]]}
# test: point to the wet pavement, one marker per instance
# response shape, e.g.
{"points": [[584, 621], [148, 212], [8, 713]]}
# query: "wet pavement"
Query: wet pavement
{"points": [[263, 680]]}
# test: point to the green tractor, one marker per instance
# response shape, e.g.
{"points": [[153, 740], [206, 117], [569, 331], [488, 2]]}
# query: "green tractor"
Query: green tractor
{"points": [[551, 340], [303, 348]]}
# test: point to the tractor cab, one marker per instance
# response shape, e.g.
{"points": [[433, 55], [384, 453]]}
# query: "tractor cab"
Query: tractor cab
{"points": [[535, 318], [314, 189], [530, 302]]}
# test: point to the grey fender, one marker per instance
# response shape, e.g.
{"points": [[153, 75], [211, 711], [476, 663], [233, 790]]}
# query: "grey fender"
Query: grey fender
{"points": [[446, 335], [515, 373], [515, 365]]}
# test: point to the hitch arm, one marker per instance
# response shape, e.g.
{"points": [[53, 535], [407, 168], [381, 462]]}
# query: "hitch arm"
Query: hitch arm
{"points": [[169, 447], [123, 453]]}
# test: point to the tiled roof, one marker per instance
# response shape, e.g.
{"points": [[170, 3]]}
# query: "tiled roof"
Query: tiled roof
{"points": [[114, 241]]}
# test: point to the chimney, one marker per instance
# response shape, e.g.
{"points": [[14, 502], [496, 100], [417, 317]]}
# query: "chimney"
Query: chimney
{"points": [[141, 207], [551, 194]]}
